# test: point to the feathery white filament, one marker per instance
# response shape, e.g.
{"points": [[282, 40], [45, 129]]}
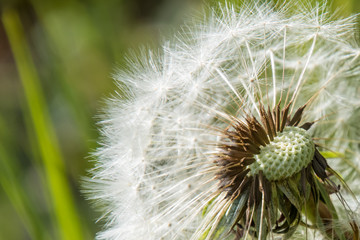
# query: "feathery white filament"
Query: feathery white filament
{"points": [[274, 76], [155, 172]]}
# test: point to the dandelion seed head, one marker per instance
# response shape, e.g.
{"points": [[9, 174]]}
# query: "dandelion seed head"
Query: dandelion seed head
{"points": [[221, 133]]}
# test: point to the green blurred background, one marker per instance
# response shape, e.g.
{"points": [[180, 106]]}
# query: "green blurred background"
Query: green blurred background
{"points": [[56, 61]]}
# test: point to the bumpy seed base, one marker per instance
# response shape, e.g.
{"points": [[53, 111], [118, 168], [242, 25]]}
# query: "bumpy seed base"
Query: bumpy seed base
{"points": [[287, 154]]}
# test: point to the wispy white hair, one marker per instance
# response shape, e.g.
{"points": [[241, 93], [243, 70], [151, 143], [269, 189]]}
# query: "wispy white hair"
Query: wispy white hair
{"points": [[154, 172]]}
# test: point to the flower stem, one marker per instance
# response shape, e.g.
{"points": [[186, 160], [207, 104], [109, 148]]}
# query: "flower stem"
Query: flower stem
{"points": [[63, 203]]}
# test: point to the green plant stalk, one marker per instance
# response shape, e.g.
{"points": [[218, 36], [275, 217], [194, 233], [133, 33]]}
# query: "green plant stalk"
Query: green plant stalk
{"points": [[53, 32], [9, 180], [62, 200]]}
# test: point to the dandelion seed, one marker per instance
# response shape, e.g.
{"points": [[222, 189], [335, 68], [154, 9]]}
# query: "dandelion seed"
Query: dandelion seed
{"points": [[225, 135]]}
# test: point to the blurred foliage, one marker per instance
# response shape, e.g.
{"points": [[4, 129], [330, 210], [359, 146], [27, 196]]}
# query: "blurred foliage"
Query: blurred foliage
{"points": [[56, 61]]}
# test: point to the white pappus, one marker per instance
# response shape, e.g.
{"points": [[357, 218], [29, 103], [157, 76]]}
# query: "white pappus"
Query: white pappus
{"points": [[158, 173]]}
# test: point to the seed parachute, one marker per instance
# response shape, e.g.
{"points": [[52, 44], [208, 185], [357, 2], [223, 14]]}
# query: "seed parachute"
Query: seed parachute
{"points": [[244, 126]]}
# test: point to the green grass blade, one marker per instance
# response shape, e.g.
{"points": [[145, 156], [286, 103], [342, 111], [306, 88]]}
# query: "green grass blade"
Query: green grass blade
{"points": [[10, 182], [62, 200]]}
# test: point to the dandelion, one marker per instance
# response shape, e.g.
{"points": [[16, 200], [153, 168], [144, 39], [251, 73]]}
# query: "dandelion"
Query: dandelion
{"points": [[238, 130]]}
